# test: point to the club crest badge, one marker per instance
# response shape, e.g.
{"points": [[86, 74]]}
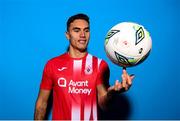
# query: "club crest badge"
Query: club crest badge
{"points": [[88, 70]]}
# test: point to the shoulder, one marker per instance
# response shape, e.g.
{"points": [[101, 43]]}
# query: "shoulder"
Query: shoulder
{"points": [[58, 59]]}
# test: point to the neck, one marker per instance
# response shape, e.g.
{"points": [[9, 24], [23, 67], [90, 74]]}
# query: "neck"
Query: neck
{"points": [[76, 53]]}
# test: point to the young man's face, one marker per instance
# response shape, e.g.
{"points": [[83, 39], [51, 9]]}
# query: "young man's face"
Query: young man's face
{"points": [[78, 34]]}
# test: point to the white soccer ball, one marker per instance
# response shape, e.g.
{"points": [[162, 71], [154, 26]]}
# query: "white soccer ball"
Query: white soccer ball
{"points": [[128, 44]]}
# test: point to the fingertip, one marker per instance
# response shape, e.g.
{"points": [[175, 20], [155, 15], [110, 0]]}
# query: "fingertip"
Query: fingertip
{"points": [[116, 82], [124, 71], [132, 75], [124, 68], [130, 82]]}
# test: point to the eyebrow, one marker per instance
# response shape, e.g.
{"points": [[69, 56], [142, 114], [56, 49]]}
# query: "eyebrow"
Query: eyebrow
{"points": [[80, 28]]}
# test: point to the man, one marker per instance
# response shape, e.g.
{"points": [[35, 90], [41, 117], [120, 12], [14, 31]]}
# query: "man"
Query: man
{"points": [[79, 80]]}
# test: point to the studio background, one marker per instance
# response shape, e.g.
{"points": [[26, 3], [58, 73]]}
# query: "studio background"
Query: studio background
{"points": [[33, 31]]}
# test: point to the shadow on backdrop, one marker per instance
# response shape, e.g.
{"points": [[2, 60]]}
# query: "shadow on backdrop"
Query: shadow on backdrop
{"points": [[118, 109]]}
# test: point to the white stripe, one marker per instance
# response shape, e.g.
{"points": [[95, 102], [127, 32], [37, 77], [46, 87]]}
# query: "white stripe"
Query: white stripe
{"points": [[94, 111], [77, 65], [75, 113], [89, 64], [99, 62], [87, 112]]}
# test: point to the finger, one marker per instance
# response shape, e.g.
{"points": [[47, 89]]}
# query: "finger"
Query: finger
{"points": [[119, 85], [124, 76], [132, 76], [116, 85], [116, 82], [124, 71], [129, 80], [111, 88], [127, 87], [126, 83], [123, 81]]}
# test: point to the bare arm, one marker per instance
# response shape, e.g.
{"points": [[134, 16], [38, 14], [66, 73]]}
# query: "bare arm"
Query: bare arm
{"points": [[41, 104], [104, 95]]}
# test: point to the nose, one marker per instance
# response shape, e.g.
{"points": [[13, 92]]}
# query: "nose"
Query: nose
{"points": [[82, 34]]}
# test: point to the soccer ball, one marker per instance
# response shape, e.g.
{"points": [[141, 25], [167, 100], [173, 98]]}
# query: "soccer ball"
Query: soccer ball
{"points": [[128, 44]]}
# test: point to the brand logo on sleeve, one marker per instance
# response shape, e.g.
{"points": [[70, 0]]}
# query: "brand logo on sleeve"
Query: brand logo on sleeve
{"points": [[62, 68]]}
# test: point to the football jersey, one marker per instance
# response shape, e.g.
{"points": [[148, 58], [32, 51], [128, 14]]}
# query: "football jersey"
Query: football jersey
{"points": [[74, 82]]}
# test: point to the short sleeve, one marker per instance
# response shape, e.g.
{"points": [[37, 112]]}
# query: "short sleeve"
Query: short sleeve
{"points": [[103, 74], [47, 82]]}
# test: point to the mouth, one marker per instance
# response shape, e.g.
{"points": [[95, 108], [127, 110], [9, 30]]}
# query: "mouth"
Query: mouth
{"points": [[82, 41]]}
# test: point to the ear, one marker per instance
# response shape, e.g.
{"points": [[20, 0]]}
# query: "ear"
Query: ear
{"points": [[67, 35]]}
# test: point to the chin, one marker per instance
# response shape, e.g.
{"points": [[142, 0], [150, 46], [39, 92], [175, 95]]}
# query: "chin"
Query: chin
{"points": [[83, 49]]}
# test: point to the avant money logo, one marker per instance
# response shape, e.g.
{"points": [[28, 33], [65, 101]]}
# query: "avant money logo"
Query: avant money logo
{"points": [[75, 87], [62, 82]]}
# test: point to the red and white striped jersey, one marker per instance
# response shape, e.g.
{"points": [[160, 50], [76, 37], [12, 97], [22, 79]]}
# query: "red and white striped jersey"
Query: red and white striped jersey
{"points": [[74, 82]]}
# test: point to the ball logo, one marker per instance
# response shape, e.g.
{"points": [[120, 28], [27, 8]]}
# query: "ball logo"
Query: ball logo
{"points": [[121, 58], [62, 82], [110, 34], [139, 35]]}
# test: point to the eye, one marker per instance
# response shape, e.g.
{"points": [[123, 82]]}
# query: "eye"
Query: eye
{"points": [[76, 30], [86, 30]]}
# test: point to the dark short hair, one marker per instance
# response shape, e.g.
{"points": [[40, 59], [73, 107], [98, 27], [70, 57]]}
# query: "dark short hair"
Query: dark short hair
{"points": [[77, 16]]}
